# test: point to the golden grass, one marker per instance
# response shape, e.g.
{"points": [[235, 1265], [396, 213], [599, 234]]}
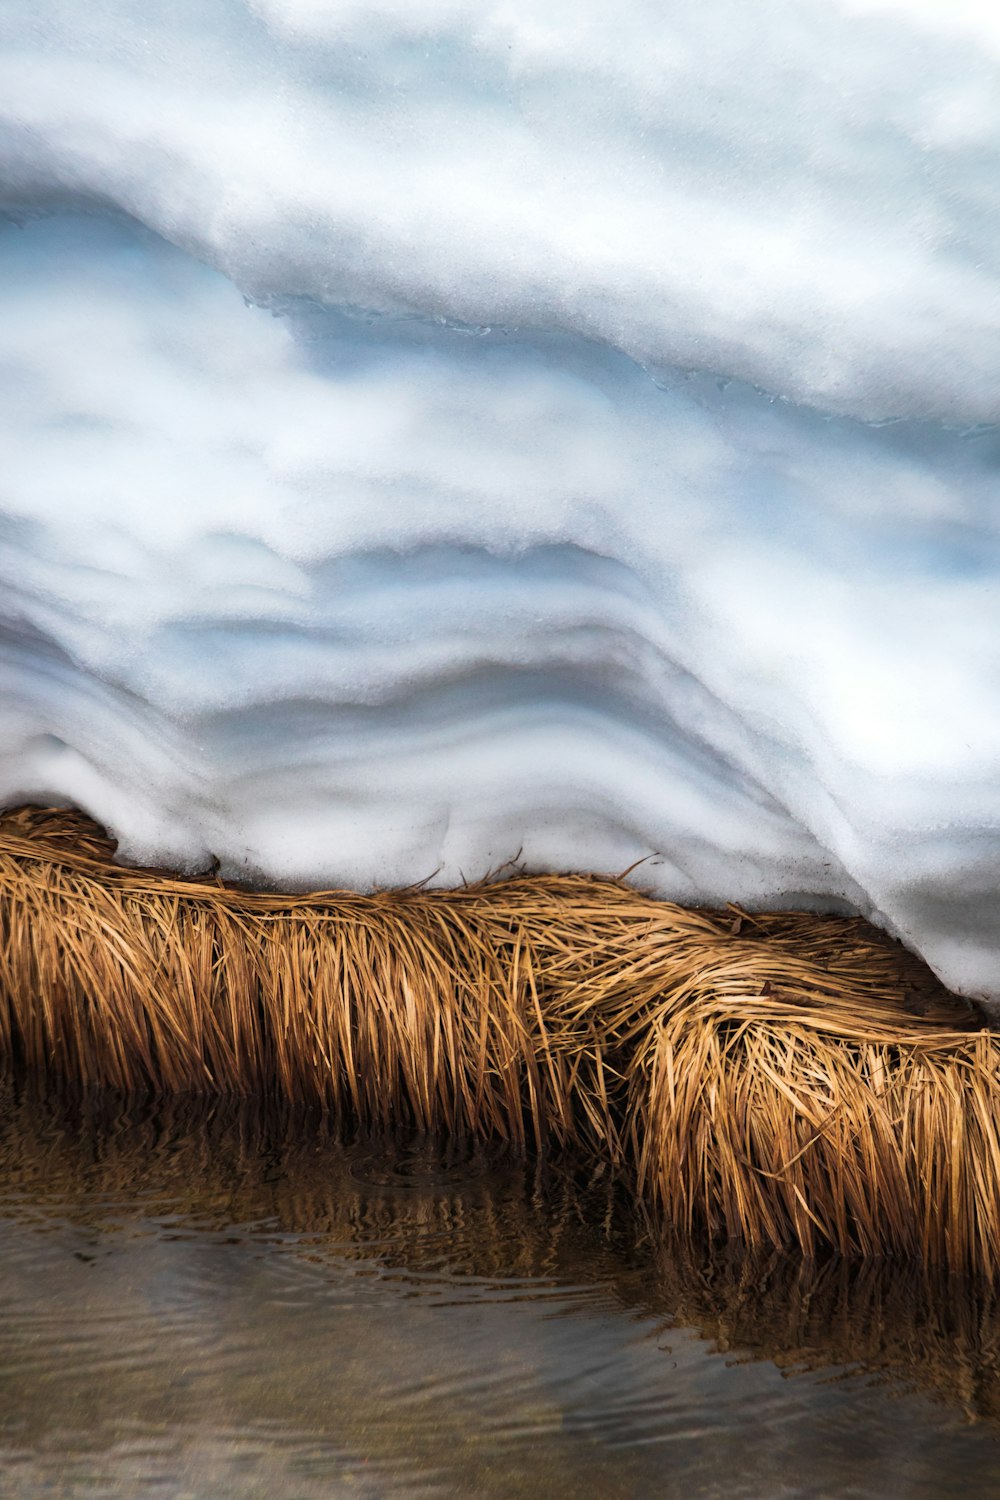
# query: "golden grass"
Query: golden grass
{"points": [[781, 1079]]}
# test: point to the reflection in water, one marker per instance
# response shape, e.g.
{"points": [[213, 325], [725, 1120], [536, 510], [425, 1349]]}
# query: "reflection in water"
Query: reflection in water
{"points": [[201, 1301]]}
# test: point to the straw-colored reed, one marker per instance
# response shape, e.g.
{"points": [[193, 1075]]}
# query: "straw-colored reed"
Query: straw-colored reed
{"points": [[781, 1079]]}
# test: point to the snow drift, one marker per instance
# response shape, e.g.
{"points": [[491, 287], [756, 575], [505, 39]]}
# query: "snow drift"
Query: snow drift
{"points": [[440, 434]]}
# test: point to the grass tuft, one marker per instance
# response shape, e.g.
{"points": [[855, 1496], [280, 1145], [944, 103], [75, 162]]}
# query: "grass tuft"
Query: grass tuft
{"points": [[784, 1079]]}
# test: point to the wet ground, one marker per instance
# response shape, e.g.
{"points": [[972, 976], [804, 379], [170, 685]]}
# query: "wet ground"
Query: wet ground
{"points": [[208, 1303]]}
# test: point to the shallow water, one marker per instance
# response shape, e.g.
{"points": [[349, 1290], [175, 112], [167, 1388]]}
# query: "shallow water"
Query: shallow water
{"points": [[208, 1303]]}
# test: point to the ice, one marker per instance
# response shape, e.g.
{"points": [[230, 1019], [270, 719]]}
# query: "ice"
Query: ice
{"points": [[438, 434]]}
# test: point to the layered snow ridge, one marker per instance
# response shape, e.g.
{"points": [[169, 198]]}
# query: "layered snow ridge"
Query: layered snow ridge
{"points": [[436, 434]]}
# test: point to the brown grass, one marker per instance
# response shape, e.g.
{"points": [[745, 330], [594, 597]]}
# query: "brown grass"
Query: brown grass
{"points": [[781, 1079]]}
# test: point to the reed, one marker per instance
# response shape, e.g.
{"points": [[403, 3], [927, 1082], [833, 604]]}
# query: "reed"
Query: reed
{"points": [[785, 1079]]}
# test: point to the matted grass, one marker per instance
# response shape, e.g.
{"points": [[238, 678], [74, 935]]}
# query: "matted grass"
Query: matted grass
{"points": [[781, 1079]]}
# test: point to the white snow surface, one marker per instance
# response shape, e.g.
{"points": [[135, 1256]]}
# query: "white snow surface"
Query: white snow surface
{"points": [[439, 433]]}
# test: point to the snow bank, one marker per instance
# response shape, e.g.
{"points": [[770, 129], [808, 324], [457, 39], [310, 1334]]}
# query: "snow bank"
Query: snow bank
{"points": [[434, 434]]}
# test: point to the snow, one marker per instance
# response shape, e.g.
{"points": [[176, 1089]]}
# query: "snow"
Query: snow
{"points": [[437, 433]]}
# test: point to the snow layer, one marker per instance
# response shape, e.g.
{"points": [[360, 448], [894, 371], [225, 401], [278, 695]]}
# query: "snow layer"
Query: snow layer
{"points": [[435, 433]]}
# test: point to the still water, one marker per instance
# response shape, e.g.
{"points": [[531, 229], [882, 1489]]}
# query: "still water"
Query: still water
{"points": [[206, 1303]]}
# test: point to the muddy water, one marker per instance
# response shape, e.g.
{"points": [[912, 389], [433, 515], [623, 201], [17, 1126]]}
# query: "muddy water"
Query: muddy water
{"points": [[212, 1304]]}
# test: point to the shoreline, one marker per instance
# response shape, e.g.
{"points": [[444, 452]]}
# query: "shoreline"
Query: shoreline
{"points": [[780, 1079]]}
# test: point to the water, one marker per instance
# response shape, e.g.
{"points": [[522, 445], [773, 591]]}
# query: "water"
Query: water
{"points": [[210, 1304]]}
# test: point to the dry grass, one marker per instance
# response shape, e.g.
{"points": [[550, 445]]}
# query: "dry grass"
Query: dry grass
{"points": [[783, 1079]]}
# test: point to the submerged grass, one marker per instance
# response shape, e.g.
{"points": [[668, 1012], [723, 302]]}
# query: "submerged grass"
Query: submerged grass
{"points": [[784, 1079], [412, 1204]]}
